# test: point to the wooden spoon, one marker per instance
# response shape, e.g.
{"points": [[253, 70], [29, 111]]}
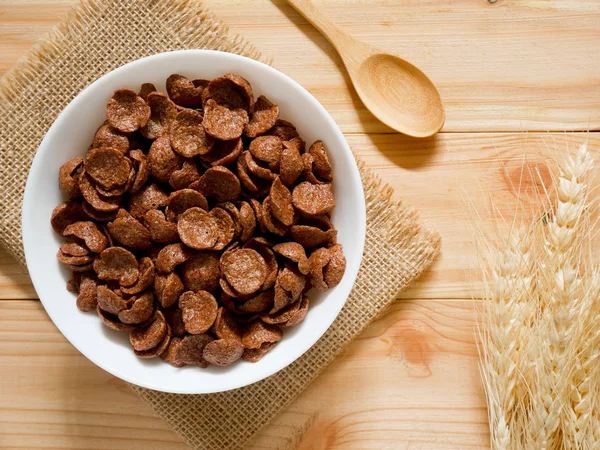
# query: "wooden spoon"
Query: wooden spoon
{"points": [[394, 90]]}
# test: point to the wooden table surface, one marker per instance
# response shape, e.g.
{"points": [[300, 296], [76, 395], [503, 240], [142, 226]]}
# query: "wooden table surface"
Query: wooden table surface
{"points": [[517, 77]]}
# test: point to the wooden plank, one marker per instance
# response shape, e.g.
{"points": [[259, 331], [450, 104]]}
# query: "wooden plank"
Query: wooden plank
{"points": [[505, 66], [409, 381], [53, 397], [441, 177], [499, 67], [450, 177], [14, 280]]}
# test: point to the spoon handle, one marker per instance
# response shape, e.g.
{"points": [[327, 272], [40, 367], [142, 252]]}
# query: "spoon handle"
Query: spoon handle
{"points": [[321, 22]]}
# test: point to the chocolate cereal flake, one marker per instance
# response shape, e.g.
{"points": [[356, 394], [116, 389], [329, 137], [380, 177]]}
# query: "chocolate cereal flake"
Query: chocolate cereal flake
{"points": [[201, 272], [175, 321], [247, 221], [291, 250], [313, 199], [259, 333], [109, 301], [223, 123], [263, 118], [188, 137], [126, 111], [272, 224], [284, 130], [183, 92], [259, 303], [223, 352], [255, 354], [223, 223], [234, 213], [290, 167], [68, 178], [162, 114], [199, 311], [334, 270], [88, 287], [150, 197], [146, 89], [226, 327], [140, 311], [129, 232], [197, 229], [311, 237], [109, 137], [171, 354], [184, 177], [163, 160], [321, 165], [155, 351], [256, 170], [224, 152], [98, 202], [74, 248], [226, 93], [145, 279], [89, 233], [161, 230], [267, 149], [117, 263], [182, 200], [244, 88], [171, 256], [281, 203], [220, 183], [244, 269], [145, 338], [191, 349], [167, 288], [65, 214], [112, 321], [142, 170]]}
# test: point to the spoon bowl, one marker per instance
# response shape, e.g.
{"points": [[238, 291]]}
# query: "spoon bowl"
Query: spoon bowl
{"points": [[399, 95], [394, 90]]}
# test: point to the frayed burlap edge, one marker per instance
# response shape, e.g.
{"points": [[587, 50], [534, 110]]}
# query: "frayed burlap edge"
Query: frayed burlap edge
{"points": [[202, 26], [398, 249], [188, 22]]}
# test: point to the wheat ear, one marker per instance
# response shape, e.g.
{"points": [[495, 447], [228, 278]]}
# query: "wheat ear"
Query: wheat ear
{"points": [[560, 288], [583, 392], [511, 279]]}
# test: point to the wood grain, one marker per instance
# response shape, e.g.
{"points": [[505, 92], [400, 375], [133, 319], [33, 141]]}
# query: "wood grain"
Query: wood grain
{"points": [[410, 379], [53, 397], [392, 89], [506, 66], [14, 281], [444, 178]]}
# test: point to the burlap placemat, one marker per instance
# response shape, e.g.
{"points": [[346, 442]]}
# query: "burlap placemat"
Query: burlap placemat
{"points": [[99, 36]]}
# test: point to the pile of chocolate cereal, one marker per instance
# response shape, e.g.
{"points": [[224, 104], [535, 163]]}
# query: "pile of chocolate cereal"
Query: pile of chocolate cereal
{"points": [[198, 221]]}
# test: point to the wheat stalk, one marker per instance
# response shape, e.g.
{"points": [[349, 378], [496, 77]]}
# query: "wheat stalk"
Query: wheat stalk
{"points": [[583, 389], [512, 281], [539, 349], [560, 295]]}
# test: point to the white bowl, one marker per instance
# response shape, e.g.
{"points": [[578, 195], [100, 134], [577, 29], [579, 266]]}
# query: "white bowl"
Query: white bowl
{"points": [[70, 136]]}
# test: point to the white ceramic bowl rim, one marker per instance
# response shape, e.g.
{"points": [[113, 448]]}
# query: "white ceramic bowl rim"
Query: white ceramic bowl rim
{"points": [[40, 248]]}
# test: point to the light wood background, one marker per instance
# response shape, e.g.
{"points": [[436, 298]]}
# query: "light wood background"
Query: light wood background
{"points": [[517, 77]]}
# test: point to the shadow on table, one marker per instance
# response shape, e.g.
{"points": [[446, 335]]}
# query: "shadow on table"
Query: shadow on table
{"points": [[404, 151]]}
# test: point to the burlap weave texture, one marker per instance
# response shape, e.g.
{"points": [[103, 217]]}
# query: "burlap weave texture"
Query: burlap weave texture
{"points": [[100, 35]]}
